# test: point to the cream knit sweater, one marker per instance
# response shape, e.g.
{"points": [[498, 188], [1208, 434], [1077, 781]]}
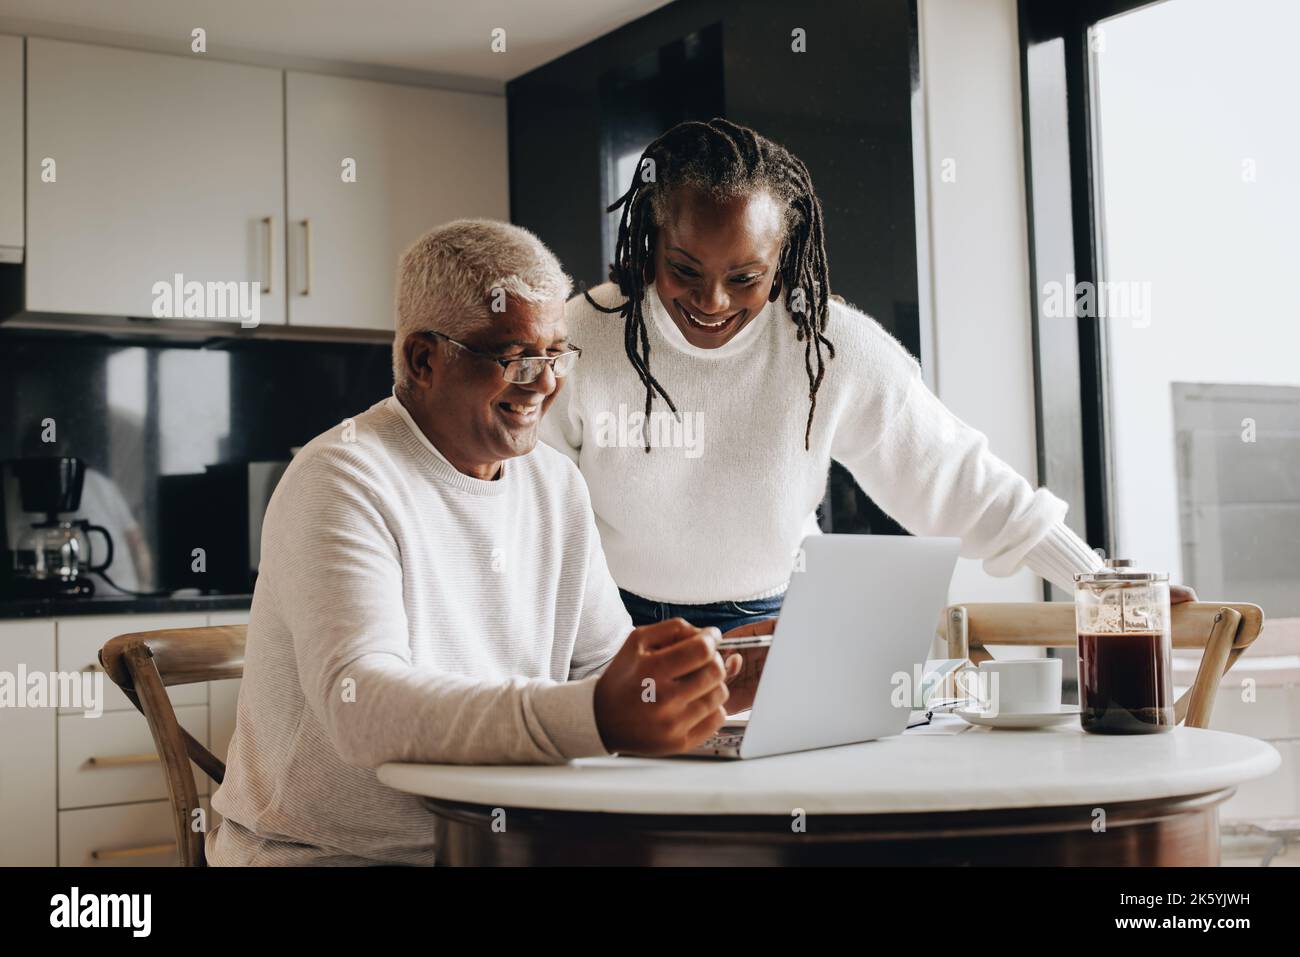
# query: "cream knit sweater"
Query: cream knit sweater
{"points": [[718, 507], [405, 611]]}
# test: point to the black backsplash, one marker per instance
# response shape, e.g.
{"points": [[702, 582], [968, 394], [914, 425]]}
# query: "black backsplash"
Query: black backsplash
{"points": [[135, 412]]}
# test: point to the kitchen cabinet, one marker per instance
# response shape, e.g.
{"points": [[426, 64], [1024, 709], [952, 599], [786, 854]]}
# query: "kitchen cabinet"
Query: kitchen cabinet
{"points": [[112, 759], [28, 798], [57, 805], [420, 157], [128, 835], [145, 167], [80, 639], [11, 149]]}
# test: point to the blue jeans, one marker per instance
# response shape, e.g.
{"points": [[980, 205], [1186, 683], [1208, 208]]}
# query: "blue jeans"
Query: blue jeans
{"points": [[723, 615]]}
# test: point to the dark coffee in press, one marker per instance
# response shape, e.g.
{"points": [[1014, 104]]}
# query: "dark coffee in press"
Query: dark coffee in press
{"points": [[1125, 682]]}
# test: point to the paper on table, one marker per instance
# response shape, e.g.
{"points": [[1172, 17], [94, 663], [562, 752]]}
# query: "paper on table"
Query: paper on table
{"points": [[740, 719], [939, 724]]}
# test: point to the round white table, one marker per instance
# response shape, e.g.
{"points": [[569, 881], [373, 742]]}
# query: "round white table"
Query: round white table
{"points": [[982, 796]]}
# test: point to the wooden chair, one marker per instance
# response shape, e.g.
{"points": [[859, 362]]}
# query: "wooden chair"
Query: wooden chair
{"points": [[144, 665], [1224, 629]]}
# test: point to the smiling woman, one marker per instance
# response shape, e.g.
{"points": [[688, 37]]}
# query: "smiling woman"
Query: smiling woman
{"points": [[748, 207], [721, 274]]}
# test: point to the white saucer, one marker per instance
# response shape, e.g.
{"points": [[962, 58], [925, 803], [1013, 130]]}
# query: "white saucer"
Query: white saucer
{"points": [[1007, 719]]}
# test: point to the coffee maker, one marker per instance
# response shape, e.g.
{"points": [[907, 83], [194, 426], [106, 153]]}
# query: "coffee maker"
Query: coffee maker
{"points": [[52, 558]]}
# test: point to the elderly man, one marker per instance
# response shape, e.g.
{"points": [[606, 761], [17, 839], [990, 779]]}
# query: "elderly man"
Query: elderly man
{"points": [[432, 586]]}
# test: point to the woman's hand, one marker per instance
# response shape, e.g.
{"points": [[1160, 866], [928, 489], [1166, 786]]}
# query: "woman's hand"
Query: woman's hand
{"points": [[1181, 593], [744, 666]]}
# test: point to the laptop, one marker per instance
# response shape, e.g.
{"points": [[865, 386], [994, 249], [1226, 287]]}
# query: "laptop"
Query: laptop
{"points": [[862, 611]]}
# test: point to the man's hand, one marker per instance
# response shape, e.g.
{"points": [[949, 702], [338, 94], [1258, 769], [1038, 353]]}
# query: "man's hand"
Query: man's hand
{"points": [[1181, 593], [663, 693]]}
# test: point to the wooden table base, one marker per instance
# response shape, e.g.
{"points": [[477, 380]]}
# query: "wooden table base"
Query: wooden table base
{"points": [[1168, 832]]}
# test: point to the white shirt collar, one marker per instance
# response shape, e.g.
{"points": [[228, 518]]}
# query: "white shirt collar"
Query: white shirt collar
{"points": [[395, 404]]}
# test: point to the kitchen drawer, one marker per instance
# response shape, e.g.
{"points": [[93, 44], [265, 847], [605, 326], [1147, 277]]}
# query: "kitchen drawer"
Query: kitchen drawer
{"points": [[118, 735], [80, 639], [129, 835]]}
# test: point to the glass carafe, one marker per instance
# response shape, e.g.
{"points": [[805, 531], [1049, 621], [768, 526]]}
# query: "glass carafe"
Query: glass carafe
{"points": [[1122, 620], [50, 550]]}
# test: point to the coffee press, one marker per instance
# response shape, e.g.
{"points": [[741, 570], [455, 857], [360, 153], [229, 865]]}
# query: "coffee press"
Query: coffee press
{"points": [[1125, 674]]}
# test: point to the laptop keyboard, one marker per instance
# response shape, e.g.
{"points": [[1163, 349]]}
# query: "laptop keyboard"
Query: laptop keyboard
{"points": [[724, 742]]}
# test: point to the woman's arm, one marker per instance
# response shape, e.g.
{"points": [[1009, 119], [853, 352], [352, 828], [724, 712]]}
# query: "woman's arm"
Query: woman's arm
{"points": [[936, 476]]}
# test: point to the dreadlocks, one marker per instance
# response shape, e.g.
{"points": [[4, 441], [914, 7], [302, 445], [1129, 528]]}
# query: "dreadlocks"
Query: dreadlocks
{"points": [[724, 160]]}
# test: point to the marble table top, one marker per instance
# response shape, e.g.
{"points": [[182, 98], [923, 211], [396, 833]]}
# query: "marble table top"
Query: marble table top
{"points": [[981, 769]]}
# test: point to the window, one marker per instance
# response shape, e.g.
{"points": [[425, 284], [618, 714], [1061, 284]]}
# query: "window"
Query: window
{"points": [[1198, 209], [1165, 232]]}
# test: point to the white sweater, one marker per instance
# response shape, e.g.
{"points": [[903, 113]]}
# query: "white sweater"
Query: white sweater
{"points": [[716, 510], [405, 611]]}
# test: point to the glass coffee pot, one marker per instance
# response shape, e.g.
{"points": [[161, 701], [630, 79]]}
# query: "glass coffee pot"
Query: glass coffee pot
{"points": [[57, 552], [1125, 674]]}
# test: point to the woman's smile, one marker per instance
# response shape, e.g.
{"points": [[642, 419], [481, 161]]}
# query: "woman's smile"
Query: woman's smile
{"points": [[720, 324]]}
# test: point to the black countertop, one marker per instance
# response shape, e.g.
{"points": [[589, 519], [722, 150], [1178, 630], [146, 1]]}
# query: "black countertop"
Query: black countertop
{"points": [[119, 605]]}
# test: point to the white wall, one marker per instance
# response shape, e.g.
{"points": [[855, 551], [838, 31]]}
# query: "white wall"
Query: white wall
{"points": [[978, 243]]}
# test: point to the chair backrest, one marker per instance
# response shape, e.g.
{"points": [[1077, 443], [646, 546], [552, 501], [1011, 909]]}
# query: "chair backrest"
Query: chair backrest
{"points": [[1223, 629], [144, 664]]}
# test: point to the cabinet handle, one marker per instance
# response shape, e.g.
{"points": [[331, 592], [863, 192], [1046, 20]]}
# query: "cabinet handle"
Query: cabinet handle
{"points": [[306, 255], [147, 850], [269, 223], [122, 760]]}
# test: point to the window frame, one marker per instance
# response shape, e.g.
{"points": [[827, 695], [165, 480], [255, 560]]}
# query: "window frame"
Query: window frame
{"points": [[1062, 195]]}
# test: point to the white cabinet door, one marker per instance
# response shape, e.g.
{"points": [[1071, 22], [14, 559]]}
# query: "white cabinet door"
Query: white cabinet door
{"points": [[422, 157], [28, 773], [11, 149], [161, 166]]}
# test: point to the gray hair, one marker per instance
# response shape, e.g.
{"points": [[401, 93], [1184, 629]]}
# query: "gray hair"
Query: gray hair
{"points": [[449, 277]]}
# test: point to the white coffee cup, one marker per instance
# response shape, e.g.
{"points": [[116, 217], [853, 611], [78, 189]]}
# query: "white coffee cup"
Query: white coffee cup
{"points": [[1021, 685]]}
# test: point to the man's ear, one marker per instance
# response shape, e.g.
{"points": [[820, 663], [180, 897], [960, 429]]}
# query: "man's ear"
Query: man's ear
{"points": [[418, 351]]}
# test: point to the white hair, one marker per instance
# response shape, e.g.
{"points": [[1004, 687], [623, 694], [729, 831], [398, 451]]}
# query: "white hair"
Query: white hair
{"points": [[452, 277]]}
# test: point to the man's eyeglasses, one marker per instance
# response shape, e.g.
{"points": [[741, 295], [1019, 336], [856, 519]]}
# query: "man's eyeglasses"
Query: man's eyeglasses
{"points": [[522, 370]]}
